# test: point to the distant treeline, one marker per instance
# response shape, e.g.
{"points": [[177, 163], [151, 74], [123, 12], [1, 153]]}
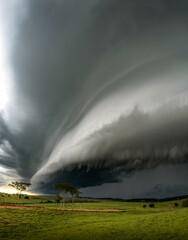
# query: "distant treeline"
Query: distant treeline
{"points": [[145, 199]]}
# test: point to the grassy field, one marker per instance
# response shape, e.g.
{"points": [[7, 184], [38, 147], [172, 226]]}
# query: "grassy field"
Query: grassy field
{"points": [[45, 222]]}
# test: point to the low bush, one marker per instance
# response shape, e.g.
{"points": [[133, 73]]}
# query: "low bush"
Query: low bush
{"points": [[48, 201], [144, 206], [151, 205], [176, 204], [185, 203]]}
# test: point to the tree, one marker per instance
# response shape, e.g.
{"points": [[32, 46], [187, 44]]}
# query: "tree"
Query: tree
{"points": [[74, 192], [20, 187], [63, 190], [57, 198]]}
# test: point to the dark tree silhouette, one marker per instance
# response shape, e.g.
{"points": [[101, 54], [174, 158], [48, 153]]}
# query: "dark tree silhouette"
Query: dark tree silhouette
{"points": [[20, 187], [65, 189], [74, 192]]}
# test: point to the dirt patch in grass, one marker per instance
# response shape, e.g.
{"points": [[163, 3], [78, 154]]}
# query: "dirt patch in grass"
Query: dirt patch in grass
{"points": [[92, 210], [75, 210], [170, 206], [22, 207]]}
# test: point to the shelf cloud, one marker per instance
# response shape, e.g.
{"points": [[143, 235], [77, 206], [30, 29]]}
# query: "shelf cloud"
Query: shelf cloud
{"points": [[98, 94]]}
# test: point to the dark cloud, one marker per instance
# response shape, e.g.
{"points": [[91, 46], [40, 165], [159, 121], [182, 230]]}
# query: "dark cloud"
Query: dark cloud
{"points": [[163, 181], [138, 141], [100, 88]]}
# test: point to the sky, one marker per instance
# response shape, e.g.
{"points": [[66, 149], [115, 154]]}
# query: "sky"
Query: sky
{"points": [[95, 93]]}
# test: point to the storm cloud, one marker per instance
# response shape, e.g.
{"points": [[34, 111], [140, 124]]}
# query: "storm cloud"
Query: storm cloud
{"points": [[98, 92]]}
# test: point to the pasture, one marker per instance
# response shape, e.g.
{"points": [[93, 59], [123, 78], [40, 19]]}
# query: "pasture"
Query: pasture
{"points": [[45, 220]]}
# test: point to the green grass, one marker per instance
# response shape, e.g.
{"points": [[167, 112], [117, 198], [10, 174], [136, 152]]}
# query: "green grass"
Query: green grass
{"points": [[136, 223], [50, 224]]}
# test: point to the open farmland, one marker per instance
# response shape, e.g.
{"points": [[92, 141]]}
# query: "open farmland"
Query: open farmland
{"points": [[46, 220]]}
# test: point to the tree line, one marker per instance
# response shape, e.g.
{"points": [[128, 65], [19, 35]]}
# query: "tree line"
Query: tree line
{"points": [[64, 190]]}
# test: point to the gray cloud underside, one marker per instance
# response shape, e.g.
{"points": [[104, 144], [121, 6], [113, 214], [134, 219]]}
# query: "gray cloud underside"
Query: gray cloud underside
{"points": [[138, 141], [163, 181]]}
